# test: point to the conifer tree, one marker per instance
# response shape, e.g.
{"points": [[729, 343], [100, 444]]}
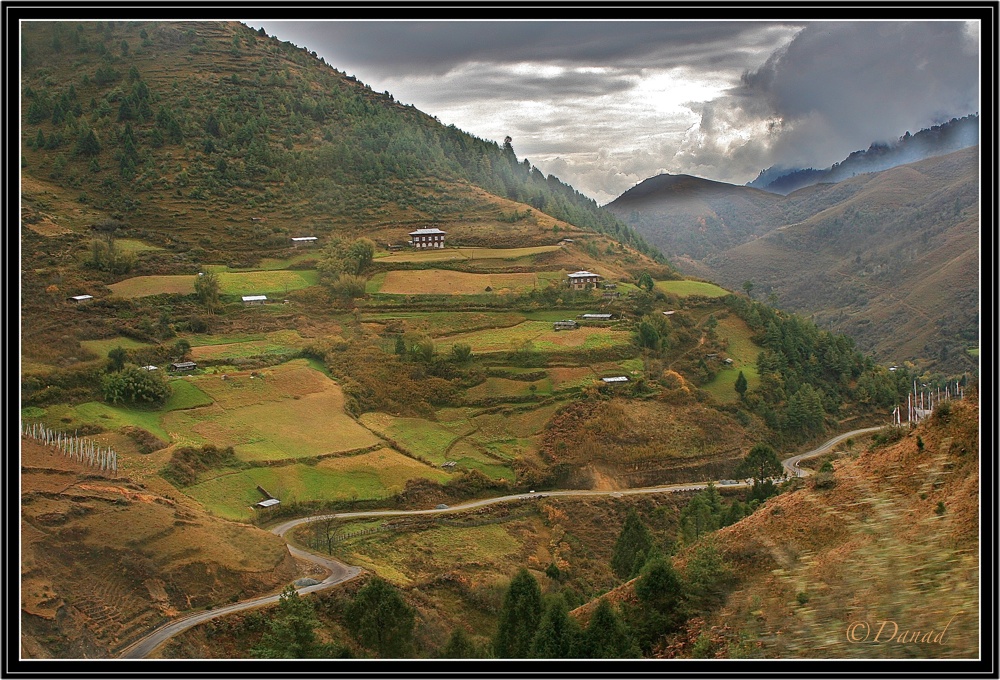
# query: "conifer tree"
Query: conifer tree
{"points": [[558, 635], [381, 620], [292, 631], [661, 595], [632, 547], [741, 385], [519, 617], [606, 636]]}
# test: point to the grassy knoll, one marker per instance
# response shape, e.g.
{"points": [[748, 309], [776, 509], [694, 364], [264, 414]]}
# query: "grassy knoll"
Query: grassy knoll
{"points": [[446, 254], [377, 474], [444, 282], [185, 394], [231, 283], [542, 337], [685, 288], [743, 352]]}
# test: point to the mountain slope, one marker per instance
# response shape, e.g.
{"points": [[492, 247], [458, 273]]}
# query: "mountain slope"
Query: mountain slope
{"points": [[890, 258], [188, 130], [691, 218], [890, 535]]}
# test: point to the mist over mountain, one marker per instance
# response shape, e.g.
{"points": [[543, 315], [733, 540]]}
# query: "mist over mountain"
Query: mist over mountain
{"points": [[889, 258], [957, 133]]}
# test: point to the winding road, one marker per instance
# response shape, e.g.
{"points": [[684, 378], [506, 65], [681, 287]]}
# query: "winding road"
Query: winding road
{"points": [[340, 572]]}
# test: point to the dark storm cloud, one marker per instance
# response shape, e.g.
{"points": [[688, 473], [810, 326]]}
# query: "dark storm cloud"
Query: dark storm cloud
{"points": [[603, 105], [413, 47], [492, 80], [839, 86]]}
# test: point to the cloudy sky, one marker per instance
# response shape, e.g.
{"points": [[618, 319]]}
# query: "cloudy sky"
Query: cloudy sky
{"points": [[605, 104]]}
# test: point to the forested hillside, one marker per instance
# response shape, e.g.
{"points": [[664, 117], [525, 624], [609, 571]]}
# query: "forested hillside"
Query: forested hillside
{"points": [[155, 124]]}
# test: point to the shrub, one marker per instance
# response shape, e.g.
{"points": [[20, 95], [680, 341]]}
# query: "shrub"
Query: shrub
{"points": [[187, 462], [134, 385], [145, 441]]}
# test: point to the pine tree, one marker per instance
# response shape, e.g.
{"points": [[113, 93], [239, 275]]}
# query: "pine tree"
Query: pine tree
{"points": [[741, 385], [381, 620], [292, 630], [460, 646], [661, 596], [762, 462], [632, 547], [606, 636], [88, 144], [707, 578], [519, 617], [558, 635]]}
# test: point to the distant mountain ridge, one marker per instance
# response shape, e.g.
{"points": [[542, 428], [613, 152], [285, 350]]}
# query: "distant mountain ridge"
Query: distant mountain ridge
{"points": [[890, 258], [956, 134]]}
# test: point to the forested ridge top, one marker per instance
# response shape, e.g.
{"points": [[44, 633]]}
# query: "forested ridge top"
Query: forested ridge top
{"points": [[149, 121]]}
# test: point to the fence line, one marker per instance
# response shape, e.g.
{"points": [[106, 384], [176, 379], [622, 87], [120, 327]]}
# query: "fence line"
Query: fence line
{"points": [[77, 448]]}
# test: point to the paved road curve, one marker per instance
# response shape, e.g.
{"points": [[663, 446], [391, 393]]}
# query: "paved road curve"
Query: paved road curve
{"points": [[340, 572]]}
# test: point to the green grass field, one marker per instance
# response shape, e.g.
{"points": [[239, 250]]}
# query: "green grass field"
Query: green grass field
{"points": [[540, 334], [131, 245], [685, 288], [744, 355], [231, 283], [446, 282], [112, 417], [185, 394], [289, 411], [420, 437], [377, 474]]}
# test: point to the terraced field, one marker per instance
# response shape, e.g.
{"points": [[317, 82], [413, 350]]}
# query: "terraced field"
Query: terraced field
{"points": [[376, 474], [541, 336], [444, 282], [686, 288], [231, 283], [277, 343], [448, 254], [744, 355]]}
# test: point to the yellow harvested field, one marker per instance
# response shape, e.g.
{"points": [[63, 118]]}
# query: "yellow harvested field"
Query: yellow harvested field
{"points": [[443, 282], [293, 411]]}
